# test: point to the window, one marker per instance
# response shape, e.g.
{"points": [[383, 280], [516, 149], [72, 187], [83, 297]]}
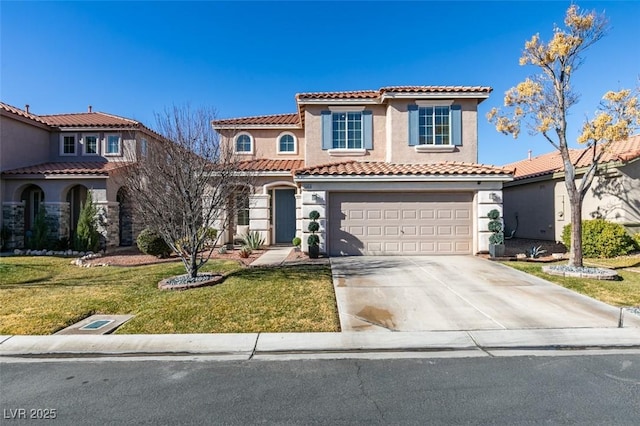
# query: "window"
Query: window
{"points": [[242, 209], [90, 144], [244, 144], [113, 145], [434, 125], [347, 130], [287, 143], [68, 145], [143, 147]]}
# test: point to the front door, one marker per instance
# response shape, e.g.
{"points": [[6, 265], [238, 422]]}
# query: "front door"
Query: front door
{"points": [[285, 215]]}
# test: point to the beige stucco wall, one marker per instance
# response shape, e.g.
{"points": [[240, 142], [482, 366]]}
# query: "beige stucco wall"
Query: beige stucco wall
{"points": [[127, 149], [265, 143], [313, 135], [544, 205], [401, 152], [22, 144]]}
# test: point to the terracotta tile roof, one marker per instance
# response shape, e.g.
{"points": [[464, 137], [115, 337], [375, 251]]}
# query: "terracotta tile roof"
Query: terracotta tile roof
{"points": [[20, 112], [549, 163], [266, 165], [69, 168], [266, 120], [88, 119], [372, 168], [372, 94]]}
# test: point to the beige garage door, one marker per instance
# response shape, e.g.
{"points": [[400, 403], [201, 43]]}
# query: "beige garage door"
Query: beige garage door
{"points": [[375, 223]]}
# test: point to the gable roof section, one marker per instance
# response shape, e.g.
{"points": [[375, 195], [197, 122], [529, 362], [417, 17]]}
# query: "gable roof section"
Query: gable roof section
{"points": [[20, 112], [265, 165], [69, 168], [550, 163], [275, 120], [378, 168], [89, 119]]}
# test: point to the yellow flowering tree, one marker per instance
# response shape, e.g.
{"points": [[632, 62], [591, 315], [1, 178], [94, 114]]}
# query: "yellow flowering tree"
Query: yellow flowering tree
{"points": [[541, 103]]}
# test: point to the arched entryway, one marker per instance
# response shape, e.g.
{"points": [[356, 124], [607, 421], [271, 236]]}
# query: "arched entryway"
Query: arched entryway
{"points": [[76, 197], [32, 197], [125, 217]]}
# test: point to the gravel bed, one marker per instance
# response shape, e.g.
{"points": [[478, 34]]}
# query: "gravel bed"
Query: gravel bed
{"points": [[635, 311]]}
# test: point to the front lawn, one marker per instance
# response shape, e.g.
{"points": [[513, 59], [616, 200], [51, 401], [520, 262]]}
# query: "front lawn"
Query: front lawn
{"points": [[622, 293], [41, 295]]}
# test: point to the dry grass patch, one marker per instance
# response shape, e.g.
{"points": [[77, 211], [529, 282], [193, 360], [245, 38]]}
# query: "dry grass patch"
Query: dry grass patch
{"points": [[41, 295]]}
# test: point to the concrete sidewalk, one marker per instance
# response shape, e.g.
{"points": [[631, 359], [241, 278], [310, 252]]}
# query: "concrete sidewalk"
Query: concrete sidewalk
{"points": [[269, 346], [273, 256]]}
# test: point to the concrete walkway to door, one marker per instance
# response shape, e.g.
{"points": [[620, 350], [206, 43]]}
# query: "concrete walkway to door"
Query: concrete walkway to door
{"points": [[437, 293]]}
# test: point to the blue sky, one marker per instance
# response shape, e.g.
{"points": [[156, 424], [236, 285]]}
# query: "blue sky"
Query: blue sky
{"points": [[250, 58]]}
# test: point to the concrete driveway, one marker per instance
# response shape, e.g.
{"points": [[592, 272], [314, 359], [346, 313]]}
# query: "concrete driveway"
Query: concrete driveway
{"points": [[422, 293]]}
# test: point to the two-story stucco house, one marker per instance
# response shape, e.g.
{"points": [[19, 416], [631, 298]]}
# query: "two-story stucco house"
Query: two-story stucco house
{"points": [[391, 171], [53, 161]]}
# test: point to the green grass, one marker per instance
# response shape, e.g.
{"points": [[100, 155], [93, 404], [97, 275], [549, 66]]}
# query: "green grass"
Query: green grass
{"points": [[41, 295], [623, 293]]}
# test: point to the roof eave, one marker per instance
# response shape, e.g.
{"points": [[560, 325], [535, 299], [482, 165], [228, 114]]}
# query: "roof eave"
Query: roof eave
{"points": [[256, 126], [405, 178], [327, 101], [436, 95]]}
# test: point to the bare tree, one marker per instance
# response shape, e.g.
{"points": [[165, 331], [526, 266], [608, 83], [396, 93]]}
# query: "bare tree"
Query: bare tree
{"points": [[183, 186], [541, 103]]}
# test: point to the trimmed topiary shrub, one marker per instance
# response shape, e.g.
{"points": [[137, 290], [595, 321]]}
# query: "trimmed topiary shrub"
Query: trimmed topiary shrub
{"points": [[150, 242], [87, 236], [601, 239]]}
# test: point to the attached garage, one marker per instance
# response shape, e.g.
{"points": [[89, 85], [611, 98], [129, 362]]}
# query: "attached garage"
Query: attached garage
{"points": [[400, 223]]}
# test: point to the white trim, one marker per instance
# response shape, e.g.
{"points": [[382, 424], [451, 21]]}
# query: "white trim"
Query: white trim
{"points": [[404, 178], [106, 145], [273, 185], [434, 148], [432, 102], [235, 144], [374, 101], [75, 145], [347, 152], [256, 126], [334, 108], [295, 144], [83, 142], [446, 95]]}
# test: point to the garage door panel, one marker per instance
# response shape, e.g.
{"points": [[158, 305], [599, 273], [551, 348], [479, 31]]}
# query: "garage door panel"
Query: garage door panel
{"points": [[400, 223]]}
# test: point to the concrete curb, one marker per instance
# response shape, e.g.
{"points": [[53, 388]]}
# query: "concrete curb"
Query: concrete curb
{"points": [[272, 345]]}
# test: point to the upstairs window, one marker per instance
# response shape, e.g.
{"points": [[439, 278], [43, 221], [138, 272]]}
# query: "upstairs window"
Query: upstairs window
{"points": [[113, 145], [68, 145], [143, 147], [90, 144], [244, 144], [287, 144], [347, 130], [435, 125]]}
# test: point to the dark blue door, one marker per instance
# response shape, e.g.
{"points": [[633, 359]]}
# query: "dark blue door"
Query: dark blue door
{"points": [[285, 215]]}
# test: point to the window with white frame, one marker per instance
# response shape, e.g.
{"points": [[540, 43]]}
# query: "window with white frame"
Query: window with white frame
{"points": [[433, 125], [347, 130], [90, 143], [68, 145], [112, 145], [287, 144], [244, 143], [242, 210]]}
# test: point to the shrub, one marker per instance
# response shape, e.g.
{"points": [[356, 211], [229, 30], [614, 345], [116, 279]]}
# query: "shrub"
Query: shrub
{"points": [[296, 241], [253, 240], [150, 242], [87, 235], [495, 226], [245, 252], [40, 235], [601, 239]]}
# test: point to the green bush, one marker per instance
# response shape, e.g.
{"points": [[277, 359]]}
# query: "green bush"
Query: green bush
{"points": [[601, 239], [40, 234], [636, 239], [150, 242], [87, 235], [296, 241], [495, 226], [253, 240]]}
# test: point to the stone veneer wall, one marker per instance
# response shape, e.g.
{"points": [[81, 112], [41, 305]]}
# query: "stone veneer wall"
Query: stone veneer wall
{"points": [[13, 221], [109, 221], [57, 219]]}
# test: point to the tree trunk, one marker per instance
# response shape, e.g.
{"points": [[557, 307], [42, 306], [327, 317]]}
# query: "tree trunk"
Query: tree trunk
{"points": [[575, 205], [193, 264]]}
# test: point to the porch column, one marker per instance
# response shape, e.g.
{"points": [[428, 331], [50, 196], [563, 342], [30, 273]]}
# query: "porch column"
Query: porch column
{"points": [[13, 224], [314, 200], [259, 216], [487, 201], [58, 216], [299, 230], [109, 221]]}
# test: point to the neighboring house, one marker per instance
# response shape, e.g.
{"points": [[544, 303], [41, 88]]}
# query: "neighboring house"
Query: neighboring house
{"points": [[536, 201], [391, 171], [53, 161]]}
